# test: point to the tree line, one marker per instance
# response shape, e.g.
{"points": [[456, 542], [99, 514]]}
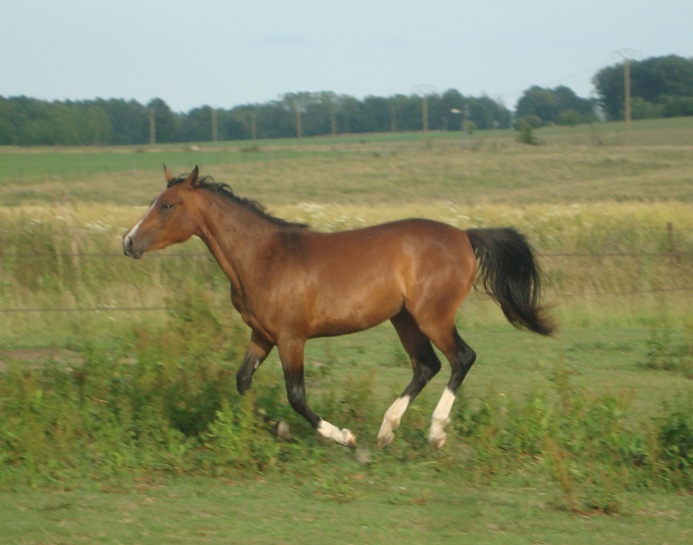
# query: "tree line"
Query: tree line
{"points": [[27, 121], [661, 86]]}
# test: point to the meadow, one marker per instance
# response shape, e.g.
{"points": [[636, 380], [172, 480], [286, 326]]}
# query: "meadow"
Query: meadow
{"points": [[116, 394]]}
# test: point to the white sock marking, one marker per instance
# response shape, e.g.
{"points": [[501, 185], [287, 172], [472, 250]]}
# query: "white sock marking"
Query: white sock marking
{"points": [[441, 418], [343, 436], [392, 419]]}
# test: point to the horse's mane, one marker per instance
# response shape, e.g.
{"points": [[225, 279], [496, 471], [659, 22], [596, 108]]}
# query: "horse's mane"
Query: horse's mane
{"points": [[224, 190]]}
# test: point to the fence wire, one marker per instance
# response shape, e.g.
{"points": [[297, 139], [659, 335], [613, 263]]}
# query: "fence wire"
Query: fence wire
{"points": [[673, 255]]}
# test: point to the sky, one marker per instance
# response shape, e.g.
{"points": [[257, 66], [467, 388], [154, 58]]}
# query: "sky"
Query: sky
{"points": [[224, 53]]}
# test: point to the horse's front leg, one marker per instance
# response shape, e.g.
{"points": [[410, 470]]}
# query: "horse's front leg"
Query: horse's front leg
{"points": [[258, 350], [291, 356]]}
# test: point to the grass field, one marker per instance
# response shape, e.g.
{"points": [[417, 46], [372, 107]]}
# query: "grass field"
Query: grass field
{"points": [[584, 437], [420, 507]]}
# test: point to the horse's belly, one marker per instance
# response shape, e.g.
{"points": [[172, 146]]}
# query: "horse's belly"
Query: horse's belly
{"points": [[354, 312]]}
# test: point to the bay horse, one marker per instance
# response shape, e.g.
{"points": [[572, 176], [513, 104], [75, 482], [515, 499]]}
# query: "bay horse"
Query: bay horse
{"points": [[291, 284]]}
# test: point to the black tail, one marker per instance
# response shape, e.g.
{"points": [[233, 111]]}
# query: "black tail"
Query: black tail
{"points": [[510, 274]]}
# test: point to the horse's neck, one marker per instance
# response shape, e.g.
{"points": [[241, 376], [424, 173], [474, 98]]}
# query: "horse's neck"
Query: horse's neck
{"points": [[234, 236]]}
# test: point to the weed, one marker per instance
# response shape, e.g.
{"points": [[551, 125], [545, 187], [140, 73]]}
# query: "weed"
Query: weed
{"points": [[665, 352], [676, 442]]}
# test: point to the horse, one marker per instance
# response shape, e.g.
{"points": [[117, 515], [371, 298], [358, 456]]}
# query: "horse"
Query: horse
{"points": [[291, 284]]}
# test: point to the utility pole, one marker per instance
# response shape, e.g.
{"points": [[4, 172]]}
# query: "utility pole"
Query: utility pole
{"points": [[299, 120], [626, 98], [467, 127], [152, 126], [425, 90], [215, 132], [333, 117], [625, 54], [424, 116]]}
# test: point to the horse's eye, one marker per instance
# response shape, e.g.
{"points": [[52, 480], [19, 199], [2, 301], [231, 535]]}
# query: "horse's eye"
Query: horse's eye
{"points": [[167, 206]]}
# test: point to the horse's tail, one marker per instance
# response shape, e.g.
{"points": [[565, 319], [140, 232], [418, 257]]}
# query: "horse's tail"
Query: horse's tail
{"points": [[509, 272]]}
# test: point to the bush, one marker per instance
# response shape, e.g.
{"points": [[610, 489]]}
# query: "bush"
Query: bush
{"points": [[679, 107], [571, 118], [675, 434], [525, 127], [666, 353], [587, 442], [164, 402]]}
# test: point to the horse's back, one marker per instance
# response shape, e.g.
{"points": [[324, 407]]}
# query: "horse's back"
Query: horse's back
{"points": [[411, 263], [408, 243]]}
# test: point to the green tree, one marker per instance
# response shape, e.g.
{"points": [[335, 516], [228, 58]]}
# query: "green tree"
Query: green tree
{"points": [[197, 125], [129, 121], [167, 126], [657, 80], [549, 104]]}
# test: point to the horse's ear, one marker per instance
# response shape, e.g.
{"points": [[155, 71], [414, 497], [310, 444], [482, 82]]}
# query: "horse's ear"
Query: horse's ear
{"points": [[167, 174], [192, 179]]}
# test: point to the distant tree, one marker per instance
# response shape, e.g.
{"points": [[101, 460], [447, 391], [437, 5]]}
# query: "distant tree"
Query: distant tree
{"points": [[13, 119], [275, 120], [487, 113], [237, 124], [570, 118], [406, 110], [197, 125], [549, 104], [679, 107], [129, 121], [642, 109], [657, 80], [7, 126], [349, 115], [376, 115], [167, 126], [28, 121]]}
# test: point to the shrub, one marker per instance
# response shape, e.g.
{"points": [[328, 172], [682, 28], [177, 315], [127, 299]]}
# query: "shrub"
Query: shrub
{"points": [[675, 434], [665, 353], [679, 107], [525, 127]]}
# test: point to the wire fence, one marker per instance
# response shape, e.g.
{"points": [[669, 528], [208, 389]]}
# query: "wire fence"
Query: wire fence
{"points": [[672, 255]]}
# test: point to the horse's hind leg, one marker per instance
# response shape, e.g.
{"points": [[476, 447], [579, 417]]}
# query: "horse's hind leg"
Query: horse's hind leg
{"points": [[425, 365], [461, 358]]}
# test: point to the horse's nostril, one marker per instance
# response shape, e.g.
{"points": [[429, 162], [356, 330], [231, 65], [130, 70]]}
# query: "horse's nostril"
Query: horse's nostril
{"points": [[127, 246]]}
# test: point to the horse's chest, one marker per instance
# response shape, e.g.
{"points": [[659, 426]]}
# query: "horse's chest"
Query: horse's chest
{"points": [[252, 316]]}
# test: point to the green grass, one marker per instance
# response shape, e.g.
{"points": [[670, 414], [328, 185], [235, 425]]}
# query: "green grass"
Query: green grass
{"points": [[415, 505], [107, 438], [489, 167]]}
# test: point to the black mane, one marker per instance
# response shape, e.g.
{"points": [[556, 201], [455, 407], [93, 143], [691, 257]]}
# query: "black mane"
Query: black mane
{"points": [[208, 183]]}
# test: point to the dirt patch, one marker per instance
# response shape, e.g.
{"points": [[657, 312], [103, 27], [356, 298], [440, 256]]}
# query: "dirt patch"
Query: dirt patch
{"points": [[39, 356]]}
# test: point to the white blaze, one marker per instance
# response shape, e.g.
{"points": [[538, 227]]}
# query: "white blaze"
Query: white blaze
{"points": [[132, 232]]}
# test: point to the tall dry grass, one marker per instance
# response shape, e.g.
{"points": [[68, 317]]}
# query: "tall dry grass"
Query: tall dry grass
{"points": [[60, 246]]}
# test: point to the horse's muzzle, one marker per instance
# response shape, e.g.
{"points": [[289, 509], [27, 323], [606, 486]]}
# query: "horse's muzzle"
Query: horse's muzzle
{"points": [[129, 248]]}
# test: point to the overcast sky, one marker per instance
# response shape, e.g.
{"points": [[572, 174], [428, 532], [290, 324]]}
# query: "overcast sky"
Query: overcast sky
{"points": [[223, 53]]}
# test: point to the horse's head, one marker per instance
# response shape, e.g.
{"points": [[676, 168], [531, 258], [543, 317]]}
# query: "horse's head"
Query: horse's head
{"points": [[171, 218]]}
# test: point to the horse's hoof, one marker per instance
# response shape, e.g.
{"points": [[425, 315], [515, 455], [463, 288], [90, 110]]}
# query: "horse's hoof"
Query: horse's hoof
{"points": [[439, 441], [385, 440], [349, 438], [282, 430]]}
